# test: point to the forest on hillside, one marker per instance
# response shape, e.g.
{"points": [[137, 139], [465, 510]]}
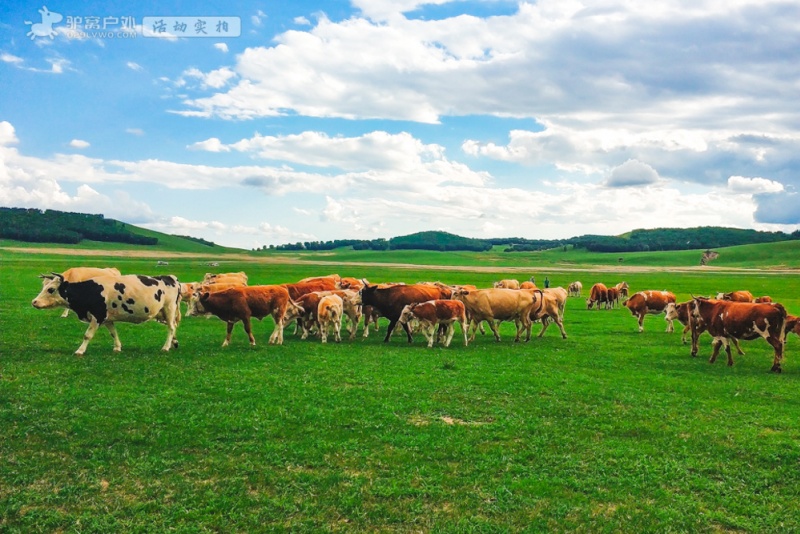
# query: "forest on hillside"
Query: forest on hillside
{"points": [[53, 226]]}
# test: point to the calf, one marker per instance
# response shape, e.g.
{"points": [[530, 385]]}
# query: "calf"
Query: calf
{"points": [[105, 300], [574, 289], [241, 303], [433, 313], [726, 320], [351, 304], [681, 313], [650, 302], [329, 314]]}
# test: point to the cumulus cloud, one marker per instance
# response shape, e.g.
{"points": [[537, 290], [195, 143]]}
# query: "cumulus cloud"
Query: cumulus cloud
{"points": [[222, 47], [79, 143], [741, 184], [632, 173]]}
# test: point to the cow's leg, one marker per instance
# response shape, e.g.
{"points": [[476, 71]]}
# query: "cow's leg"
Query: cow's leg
{"points": [[429, 330], [464, 332], [172, 318], [113, 331], [249, 329], [228, 335], [337, 330], [493, 326], [323, 331], [66, 313], [545, 324], [560, 323], [688, 328], [716, 344], [777, 343], [738, 348], [641, 322], [451, 329], [390, 329], [670, 327], [87, 337], [728, 353]]}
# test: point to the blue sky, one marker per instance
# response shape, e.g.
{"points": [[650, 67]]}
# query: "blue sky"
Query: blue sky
{"points": [[377, 118]]}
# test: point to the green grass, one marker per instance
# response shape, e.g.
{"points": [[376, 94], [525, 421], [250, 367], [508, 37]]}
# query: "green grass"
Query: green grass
{"points": [[607, 431]]}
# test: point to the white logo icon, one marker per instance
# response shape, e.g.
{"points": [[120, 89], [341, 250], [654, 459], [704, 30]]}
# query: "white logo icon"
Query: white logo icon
{"points": [[44, 28]]}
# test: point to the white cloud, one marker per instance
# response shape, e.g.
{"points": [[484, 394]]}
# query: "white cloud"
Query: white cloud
{"points": [[209, 145], [741, 184], [10, 58], [79, 143], [258, 19], [302, 21], [222, 47], [134, 66], [632, 173], [134, 131], [7, 134]]}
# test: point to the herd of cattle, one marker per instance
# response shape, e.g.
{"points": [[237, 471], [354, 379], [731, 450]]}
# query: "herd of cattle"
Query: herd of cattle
{"points": [[319, 305]]}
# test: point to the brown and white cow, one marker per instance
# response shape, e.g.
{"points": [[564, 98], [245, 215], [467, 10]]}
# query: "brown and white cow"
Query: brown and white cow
{"points": [[681, 313], [649, 303], [241, 304], [390, 301], [329, 315], [439, 313], [792, 326], [351, 308], [79, 274], [727, 320], [508, 283], [763, 300], [736, 296], [337, 280], [496, 305], [597, 295], [190, 289], [105, 300], [574, 289]]}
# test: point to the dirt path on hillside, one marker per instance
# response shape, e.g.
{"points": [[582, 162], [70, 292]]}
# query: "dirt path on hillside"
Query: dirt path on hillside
{"points": [[297, 260]]}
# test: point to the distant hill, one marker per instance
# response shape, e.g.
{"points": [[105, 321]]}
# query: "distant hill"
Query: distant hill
{"points": [[442, 241]]}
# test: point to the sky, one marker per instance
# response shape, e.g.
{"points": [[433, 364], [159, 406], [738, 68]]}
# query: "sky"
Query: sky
{"points": [[258, 123]]}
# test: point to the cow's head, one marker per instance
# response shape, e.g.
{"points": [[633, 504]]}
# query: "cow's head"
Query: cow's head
{"points": [[671, 312], [196, 308], [51, 295], [459, 294], [293, 311], [589, 303], [407, 315]]}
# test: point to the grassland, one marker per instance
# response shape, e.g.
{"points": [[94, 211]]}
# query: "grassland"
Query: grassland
{"points": [[607, 431]]}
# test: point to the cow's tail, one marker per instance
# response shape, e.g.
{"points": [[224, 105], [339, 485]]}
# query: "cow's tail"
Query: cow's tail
{"points": [[541, 303]]}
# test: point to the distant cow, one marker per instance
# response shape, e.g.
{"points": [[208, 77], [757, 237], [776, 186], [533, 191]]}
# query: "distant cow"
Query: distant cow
{"points": [[623, 289], [612, 297], [329, 315], [335, 278], [597, 295], [763, 300], [390, 301], [161, 263], [508, 283], [79, 274], [527, 285], [228, 278], [437, 313], [726, 320], [649, 302], [736, 296], [241, 303], [105, 300], [574, 289]]}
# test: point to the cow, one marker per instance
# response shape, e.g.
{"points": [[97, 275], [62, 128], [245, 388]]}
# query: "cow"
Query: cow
{"points": [[527, 285], [649, 303], [352, 283], [162, 263], [508, 283], [597, 295], [390, 301], [79, 274], [496, 305], [433, 313], [623, 289], [680, 312], [574, 289], [736, 296], [792, 326], [335, 278], [213, 278], [763, 300], [190, 289], [105, 300], [329, 314], [351, 306], [241, 304], [727, 320], [612, 298], [551, 308]]}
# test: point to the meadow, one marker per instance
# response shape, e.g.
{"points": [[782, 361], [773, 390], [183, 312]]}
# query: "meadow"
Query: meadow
{"points": [[610, 430]]}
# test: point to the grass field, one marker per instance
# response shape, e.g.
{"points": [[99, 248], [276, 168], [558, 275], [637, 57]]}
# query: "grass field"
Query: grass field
{"points": [[607, 431]]}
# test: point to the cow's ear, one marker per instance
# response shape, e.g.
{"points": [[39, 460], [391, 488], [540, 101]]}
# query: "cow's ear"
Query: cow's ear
{"points": [[58, 275], [46, 276]]}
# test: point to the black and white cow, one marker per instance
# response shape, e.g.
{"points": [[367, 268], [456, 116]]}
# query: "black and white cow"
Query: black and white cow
{"points": [[108, 299]]}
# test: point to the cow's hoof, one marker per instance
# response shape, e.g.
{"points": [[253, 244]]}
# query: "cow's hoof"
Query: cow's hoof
{"points": [[776, 369]]}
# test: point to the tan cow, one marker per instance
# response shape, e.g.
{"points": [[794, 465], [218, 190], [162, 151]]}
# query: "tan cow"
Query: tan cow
{"points": [[527, 285], [79, 274], [437, 313], [329, 315], [508, 283], [215, 278], [497, 305], [649, 303], [623, 289], [574, 289], [552, 308], [351, 306]]}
